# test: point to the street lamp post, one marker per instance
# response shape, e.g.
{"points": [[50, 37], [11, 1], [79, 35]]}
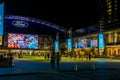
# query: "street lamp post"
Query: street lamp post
{"points": [[70, 47], [69, 42]]}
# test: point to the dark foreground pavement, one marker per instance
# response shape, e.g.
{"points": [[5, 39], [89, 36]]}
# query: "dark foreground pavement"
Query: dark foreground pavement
{"points": [[84, 70], [81, 75]]}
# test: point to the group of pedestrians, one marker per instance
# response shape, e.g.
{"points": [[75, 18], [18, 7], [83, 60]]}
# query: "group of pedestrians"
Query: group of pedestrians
{"points": [[55, 60]]}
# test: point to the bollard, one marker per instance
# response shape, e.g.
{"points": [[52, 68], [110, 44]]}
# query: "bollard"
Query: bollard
{"points": [[75, 68]]}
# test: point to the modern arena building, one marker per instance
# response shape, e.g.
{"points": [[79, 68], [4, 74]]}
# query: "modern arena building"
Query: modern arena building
{"points": [[84, 41], [26, 35], [29, 35]]}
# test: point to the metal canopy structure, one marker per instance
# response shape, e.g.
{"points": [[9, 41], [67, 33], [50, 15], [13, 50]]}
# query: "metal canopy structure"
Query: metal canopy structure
{"points": [[39, 21], [79, 32], [95, 29]]}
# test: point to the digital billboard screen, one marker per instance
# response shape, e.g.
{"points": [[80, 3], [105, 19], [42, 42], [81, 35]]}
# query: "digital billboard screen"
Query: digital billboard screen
{"points": [[93, 43], [22, 41], [83, 43]]}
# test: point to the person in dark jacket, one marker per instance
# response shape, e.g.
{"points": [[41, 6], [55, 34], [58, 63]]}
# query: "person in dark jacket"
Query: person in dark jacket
{"points": [[53, 60], [89, 56], [58, 60]]}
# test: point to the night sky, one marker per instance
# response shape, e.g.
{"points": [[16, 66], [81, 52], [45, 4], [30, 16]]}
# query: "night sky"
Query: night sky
{"points": [[65, 13]]}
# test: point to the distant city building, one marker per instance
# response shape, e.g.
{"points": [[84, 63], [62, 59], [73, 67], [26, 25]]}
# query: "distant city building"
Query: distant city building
{"points": [[110, 10]]}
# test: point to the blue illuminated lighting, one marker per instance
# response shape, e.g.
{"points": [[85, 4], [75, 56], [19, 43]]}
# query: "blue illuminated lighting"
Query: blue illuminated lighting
{"points": [[1, 18], [37, 21], [33, 21], [93, 43], [56, 46], [89, 29], [19, 23], [100, 40], [69, 44], [81, 30], [76, 44]]}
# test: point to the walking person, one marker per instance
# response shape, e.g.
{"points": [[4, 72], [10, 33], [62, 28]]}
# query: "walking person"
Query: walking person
{"points": [[58, 60], [89, 56], [48, 55], [53, 60]]}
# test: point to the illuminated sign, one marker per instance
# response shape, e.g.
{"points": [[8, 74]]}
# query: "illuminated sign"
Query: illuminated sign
{"points": [[19, 23], [69, 44], [93, 43], [100, 40], [83, 43], [1, 18], [56, 46]]}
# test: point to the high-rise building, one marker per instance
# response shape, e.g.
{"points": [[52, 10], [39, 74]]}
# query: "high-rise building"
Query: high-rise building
{"points": [[110, 10]]}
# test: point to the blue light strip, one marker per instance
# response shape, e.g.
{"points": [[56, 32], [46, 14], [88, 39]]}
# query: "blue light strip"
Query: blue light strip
{"points": [[101, 40], [56, 46], [37, 21], [1, 18], [76, 44], [69, 44]]}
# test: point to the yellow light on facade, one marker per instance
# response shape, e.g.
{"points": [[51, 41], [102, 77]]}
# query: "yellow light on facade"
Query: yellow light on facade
{"points": [[109, 3], [109, 6], [109, 10]]}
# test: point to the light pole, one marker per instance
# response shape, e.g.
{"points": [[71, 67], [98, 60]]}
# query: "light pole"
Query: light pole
{"points": [[57, 42], [69, 42]]}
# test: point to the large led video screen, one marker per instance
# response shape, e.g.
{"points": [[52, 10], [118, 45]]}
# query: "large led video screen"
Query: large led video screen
{"points": [[22, 41], [93, 43], [83, 43]]}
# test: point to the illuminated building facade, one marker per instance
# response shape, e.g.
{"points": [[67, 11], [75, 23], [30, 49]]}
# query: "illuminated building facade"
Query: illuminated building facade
{"points": [[42, 34], [112, 43], [109, 25]]}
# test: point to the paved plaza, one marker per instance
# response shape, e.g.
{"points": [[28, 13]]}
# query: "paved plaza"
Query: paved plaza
{"points": [[106, 69]]}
